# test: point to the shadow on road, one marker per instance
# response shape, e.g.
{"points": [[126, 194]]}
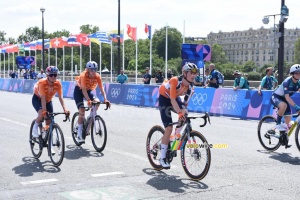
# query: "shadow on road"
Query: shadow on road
{"points": [[74, 152], [32, 165], [163, 181], [282, 157]]}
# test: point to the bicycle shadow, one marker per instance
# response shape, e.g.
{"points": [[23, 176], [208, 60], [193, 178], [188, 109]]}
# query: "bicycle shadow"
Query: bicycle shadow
{"points": [[282, 157], [161, 181], [74, 152], [32, 165]]}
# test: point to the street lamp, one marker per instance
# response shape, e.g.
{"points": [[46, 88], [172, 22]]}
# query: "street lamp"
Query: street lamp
{"points": [[43, 10], [266, 21]]}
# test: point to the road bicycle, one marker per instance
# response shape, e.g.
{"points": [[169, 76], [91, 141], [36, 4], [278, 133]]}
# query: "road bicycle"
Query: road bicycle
{"points": [[51, 137], [94, 125], [195, 152], [271, 138]]}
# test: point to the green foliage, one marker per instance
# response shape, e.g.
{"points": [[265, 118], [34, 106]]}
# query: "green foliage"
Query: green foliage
{"points": [[249, 66], [297, 51], [218, 55], [254, 76]]}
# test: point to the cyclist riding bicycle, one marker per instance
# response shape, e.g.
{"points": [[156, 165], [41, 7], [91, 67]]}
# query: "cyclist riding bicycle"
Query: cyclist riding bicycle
{"points": [[86, 83], [169, 100], [281, 98], [44, 90]]}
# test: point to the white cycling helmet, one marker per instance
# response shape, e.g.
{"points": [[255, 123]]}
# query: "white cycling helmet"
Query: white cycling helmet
{"points": [[189, 67], [295, 68], [91, 65]]}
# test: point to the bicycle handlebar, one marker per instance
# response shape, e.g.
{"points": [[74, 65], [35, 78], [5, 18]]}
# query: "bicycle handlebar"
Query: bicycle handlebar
{"points": [[67, 115], [205, 117], [97, 103]]}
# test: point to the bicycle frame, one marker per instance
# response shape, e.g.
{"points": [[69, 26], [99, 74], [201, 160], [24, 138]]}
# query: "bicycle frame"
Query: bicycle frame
{"points": [[296, 123]]}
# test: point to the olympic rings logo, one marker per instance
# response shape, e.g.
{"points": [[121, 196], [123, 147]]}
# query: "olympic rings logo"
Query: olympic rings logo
{"points": [[115, 92], [199, 98]]}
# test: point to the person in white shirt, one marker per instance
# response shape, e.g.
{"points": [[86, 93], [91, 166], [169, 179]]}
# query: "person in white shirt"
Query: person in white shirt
{"points": [[41, 75]]}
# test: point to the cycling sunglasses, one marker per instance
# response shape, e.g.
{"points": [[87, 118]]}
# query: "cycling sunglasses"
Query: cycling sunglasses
{"points": [[51, 75], [92, 70], [194, 70]]}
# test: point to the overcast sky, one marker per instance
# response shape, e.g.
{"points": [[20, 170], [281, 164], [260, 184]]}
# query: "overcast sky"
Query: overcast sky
{"points": [[201, 17]]}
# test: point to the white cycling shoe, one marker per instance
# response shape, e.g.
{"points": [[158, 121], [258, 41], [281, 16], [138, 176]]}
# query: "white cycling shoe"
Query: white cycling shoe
{"points": [[164, 163]]}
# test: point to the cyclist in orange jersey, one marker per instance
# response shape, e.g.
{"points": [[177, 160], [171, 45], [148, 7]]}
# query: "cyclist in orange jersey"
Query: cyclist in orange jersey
{"points": [[85, 84], [44, 90], [169, 100]]}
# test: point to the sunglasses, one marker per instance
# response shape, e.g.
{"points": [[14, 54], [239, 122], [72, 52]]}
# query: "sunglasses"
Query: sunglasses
{"points": [[92, 70], [194, 70], [296, 72], [51, 75]]}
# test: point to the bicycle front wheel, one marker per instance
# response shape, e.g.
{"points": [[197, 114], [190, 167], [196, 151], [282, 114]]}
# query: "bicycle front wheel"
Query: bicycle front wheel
{"points": [[153, 146], [56, 145], [297, 139], [35, 146], [268, 135], [195, 156], [99, 136], [74, 128]]}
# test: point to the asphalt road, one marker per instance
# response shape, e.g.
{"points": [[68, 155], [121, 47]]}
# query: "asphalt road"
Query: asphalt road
{"points": [[244, 170]]}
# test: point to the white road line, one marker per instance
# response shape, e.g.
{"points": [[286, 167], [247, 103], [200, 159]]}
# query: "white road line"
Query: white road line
{"points": [[39, 181], [107, 174], [9, 120]]}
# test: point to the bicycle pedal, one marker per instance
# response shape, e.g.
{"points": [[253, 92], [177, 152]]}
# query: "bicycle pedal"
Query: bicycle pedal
{"points": [[288, 146]]}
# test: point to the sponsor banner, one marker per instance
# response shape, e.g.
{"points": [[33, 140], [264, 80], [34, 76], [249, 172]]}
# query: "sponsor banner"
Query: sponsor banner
{"points": [[201, 101], [28, 86], [1, 83], [65, 87], [132, 94], [18, 85], [70, 90], [114, 93], [149, 96], [6, 84]]}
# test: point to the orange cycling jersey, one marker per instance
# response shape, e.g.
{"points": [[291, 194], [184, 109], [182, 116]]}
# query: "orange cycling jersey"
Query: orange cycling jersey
{"points": [[174, 88], [42, 88], [90, 83]]}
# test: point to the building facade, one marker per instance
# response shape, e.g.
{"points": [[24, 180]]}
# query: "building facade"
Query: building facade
{"points": [[260, 45]]}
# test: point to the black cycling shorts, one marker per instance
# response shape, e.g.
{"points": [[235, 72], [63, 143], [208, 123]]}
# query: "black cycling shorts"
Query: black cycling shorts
{"points": [[165, 108], [37, 104], [78, 96]]}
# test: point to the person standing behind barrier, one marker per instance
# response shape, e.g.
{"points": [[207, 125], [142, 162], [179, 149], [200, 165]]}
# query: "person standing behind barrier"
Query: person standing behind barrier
{"points": [[197, 80], [17, 73], [268, 82], [86, 83], [159, 77], [25, 74], [44, 90], [239, 82], [213, 77], [32, 74], [41, 74], [147, 76], [122, 78], [169, 74]]}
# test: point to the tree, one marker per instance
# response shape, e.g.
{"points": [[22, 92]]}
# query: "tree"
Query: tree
{"points": [[2, 37], [174, 42], [218, 55], [249, 66]]}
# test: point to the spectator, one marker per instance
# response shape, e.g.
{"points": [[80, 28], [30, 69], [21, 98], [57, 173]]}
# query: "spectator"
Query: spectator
{"points": [[213, 77], [32, 74], [41, 74], [169, 74], [12, 74], [25, 74], [268, 82], [122, 78], [147, 76], [240, 82], [159, 77], [198, 79], [17, 74], [202, 81]]}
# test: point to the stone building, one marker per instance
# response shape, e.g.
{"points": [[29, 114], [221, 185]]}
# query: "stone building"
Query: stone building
{"points": [[255, 45]]}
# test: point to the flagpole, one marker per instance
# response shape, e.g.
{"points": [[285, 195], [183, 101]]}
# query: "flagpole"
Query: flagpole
{"points": [[166, 56], [8, 68], [80, 58], [72, 64], [64, 63], [49, 57], [56, 57], [90, 50], [4, 66], [123, 57], [111, 59], [13, 61], [0, 63], [183, 37], [100, 59], [35, 59], [151, 56], [136, 58]]}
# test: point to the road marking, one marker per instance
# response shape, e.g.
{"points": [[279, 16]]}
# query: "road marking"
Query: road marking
{"points": [[39, 181], [107, 174], [9, 120]]}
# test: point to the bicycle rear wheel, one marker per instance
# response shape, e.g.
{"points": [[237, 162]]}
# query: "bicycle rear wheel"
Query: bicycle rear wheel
{"points": [[100, 136], [267, 134], [74, 128], [56, 145], [195, 156], [35, 142], [297, 139], [153, 146]]}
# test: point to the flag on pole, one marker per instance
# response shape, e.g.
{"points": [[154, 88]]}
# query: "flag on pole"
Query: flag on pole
{"points": [[72, 41], [131, 32], [83, 39], [148, 31], [99, 37], [114, 36]]}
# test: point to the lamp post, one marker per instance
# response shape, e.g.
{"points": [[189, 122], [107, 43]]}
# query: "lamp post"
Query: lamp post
{"points": [[43, 47], [118, 37]]}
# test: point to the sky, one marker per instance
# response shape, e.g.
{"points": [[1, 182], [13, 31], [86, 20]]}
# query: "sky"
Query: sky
{"points": [[195, 18]]}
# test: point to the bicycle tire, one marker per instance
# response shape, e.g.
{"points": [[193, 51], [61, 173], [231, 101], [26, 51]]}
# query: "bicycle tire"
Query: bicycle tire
{"points": [[100, 134], [56, 143], [267, 123], [153, 146], [74, 128], [34, 143], [297, 139], [197, 155]]}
